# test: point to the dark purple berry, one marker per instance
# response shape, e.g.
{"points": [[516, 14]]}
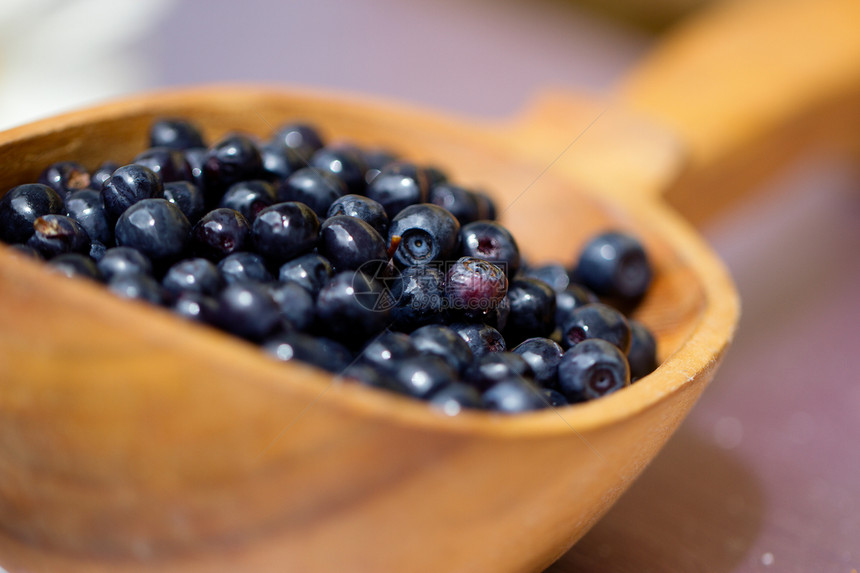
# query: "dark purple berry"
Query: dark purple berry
{"points": [[301, 138], [309, 271], [422, 376], [247, 310], [124, 260], [219, 233], [543, 356], [75, 265], [614, 264], [350, 243], [591, 369], [474, 286], [295, 303], [459, 201], [128, 185], [513, 396], [642, 354], [419, 293], [596, 320], [87, 208], [352, 307], [343, 161], [399, 185], [363, 208], [22, 205], [188, 197], [425, 233], [57, 234], [532, 309], [65, 177], [284, 231], [136, 286], [387, 350], [491, 242], [198, 275], [480, 338], [456, 397], [315, 188], [244, 266], [155, 227], [234, 158], [445, 343], [175, 134], [321, 352], [169, 164], [249, 197]]}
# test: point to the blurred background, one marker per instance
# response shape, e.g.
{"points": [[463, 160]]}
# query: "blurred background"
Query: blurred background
{"points": [[763, 474]]}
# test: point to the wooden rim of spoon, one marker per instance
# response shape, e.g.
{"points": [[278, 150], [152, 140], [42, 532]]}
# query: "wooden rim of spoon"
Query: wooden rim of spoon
{"points": [[673, 132]]}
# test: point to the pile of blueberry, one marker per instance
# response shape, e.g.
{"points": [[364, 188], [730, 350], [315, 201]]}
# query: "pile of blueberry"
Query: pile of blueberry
{"points": [[373, 268]]}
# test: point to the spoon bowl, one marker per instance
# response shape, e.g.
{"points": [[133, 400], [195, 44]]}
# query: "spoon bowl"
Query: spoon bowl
{"points": [[130, 436]]}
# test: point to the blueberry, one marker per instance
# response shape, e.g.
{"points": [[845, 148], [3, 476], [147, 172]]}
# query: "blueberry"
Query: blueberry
{"points": [[22, 205], [486, 206], [387, 350], [315, 188], [571, 298], [614, 264], [554, 398], [198, 275], [491, 242], [65, 177], [244, 266], [136, 286], [219, 233], [301, 138], [513, 396], [97, 250], [309, 271], [169, 164], [543, 356], [642, 354], [247, 310], [343, 161], [435, 175], [128, 185], [596, 320], [425, 233], [350, 243], [284, 231], [196, 158], [367, 376], [249, 197], [397, 186], [532, 309], [57, 234], [86, 207], [474, 287], [194, 305], [459, 201], [422, 376], [102, 174], [495, 367], [321, 352], [188, 197], [376, 160], [155, 227], [232, 159], [75, 265], [352, 307], [591, 369], [445, 343], [124, 260], [279, 162], [456, 397], [295, 303], [419, 295], [174, 134], [553, 274], [363, 208], [482, 339]]}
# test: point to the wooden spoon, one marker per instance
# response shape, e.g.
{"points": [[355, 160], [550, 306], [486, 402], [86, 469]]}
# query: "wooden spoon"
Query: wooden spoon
{"points": [[133, 441]]}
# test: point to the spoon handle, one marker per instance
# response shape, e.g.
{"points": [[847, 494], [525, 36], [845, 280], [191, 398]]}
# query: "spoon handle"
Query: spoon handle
{"points": [[747, 85]]}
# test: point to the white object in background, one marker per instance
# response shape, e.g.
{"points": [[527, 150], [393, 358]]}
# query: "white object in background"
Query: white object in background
{"points": [[56, 55]]}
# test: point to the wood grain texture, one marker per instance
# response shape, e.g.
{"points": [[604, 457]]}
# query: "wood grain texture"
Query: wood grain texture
{"points": [[132, 441]]}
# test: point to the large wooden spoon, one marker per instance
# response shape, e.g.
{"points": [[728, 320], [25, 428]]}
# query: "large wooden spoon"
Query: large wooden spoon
{"points": [[133, 441]]}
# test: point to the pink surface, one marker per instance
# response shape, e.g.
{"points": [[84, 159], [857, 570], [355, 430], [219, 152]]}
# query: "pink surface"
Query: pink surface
{"points": [[764, 474]]}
